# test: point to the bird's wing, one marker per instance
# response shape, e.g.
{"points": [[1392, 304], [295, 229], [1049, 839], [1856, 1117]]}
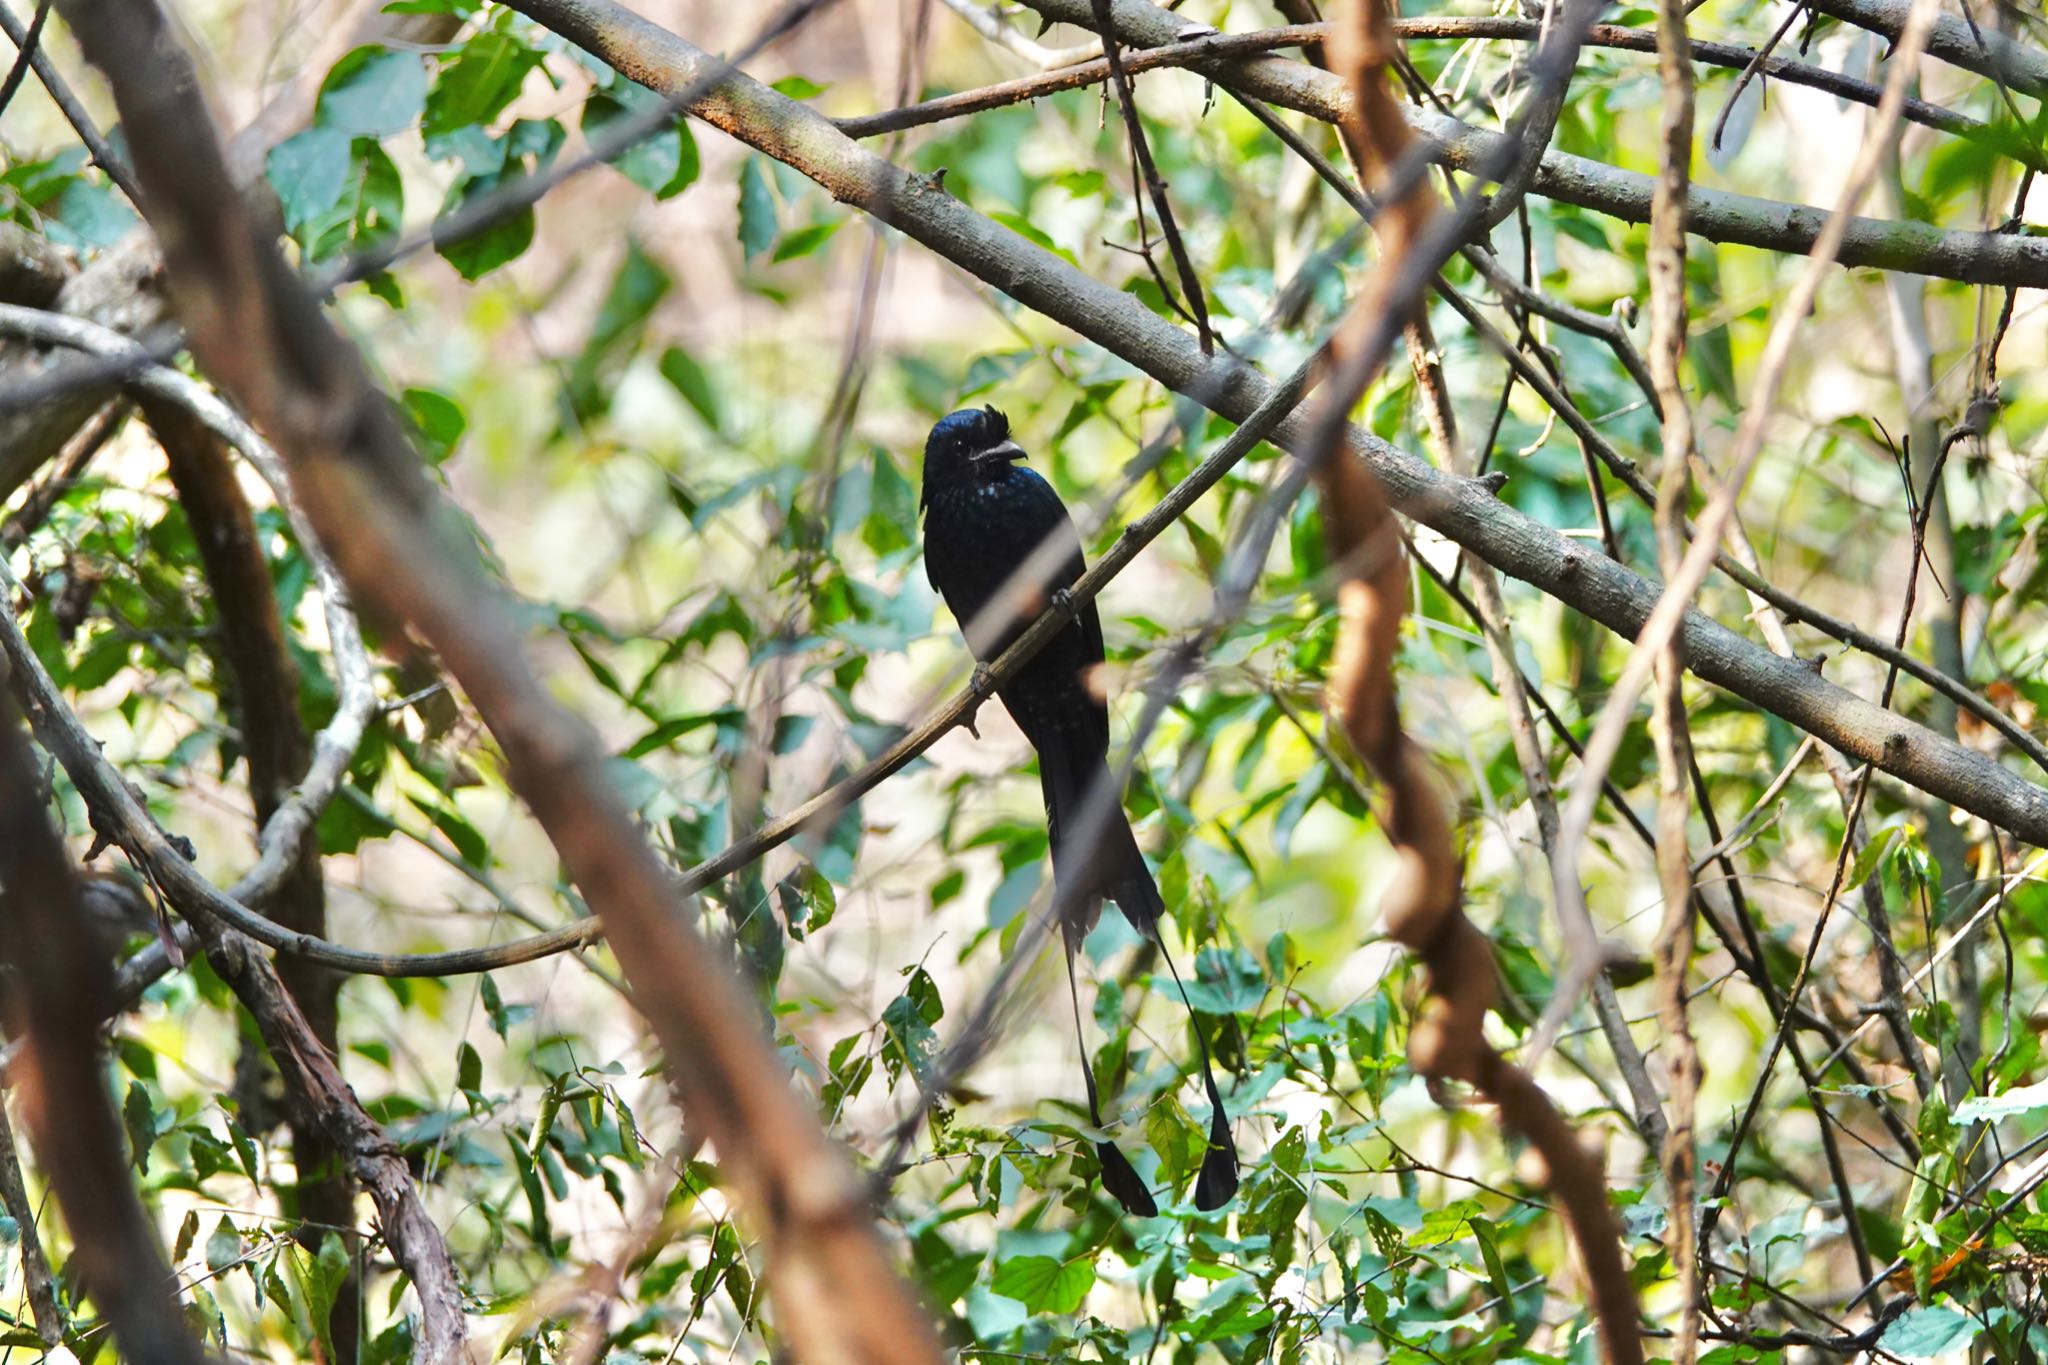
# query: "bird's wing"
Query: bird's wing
{"points": [[1057, 525]]}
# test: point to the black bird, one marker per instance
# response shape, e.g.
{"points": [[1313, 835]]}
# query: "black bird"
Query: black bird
{"points": [[985, 519]]}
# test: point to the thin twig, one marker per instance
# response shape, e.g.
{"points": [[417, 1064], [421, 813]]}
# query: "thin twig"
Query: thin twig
{"points": [[1677, 935], [1141, 152], [24, 56], [60, 984], [103, 154], [35, 1265]]}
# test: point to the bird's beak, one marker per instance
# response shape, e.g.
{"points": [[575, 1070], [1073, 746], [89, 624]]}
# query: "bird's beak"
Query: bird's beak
{"points": [[1009, 452]]}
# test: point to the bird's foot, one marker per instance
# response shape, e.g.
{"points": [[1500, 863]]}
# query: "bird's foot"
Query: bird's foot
{"points": [[1063, 602], [980, 685]]}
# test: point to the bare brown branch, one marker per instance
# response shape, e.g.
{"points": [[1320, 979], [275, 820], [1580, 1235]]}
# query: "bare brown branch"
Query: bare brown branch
{"points": [[62, 987], [258, 331], [265, 704], [35, 1265], [1423, 906], [1678, 933]]}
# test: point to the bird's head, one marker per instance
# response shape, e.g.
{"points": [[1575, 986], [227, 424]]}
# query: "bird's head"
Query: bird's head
{"points": [[973, 443]]}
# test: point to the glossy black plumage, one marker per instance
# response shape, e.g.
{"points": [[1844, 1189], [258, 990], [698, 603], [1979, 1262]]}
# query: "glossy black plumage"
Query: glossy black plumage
{"points": [[985, 517]]}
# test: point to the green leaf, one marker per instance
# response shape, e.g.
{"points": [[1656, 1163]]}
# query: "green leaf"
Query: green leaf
{"points": [[637, 288], [1391, 1246], [88, 214], [308, 172], [1024, 227], [1496, 1269], [909, 1019], [369, 210], [1226, 981], [437, 420], [469, 1069], [791, 731], [188, 1232], [223, 1247], [2023, 1099], [1245, 1312], [474, 87], [1175, 1139], [805, 240], [1043, 1284], [656, 162], [799, 87], [758, 931], [245, 1150], [688, 164], [688, 378], [324, 1275], [1923, 1333], [467, 838], [1871, 855], [757, 209], [528, 147], [808, 901], [373, 91], [479, 253], [138, 1116]]}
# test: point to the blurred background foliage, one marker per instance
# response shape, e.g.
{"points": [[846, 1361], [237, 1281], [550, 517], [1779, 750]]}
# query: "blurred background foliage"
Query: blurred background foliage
{"points": [[683, 403]]}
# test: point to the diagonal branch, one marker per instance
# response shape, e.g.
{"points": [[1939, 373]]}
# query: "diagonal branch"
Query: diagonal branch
{"points": [[62, 983], [261, 333], [1678, 934], [1463, 510], [1716, 215], [1148, 172]]}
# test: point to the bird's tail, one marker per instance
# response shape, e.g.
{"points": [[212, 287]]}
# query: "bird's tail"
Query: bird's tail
{"points": [[1095, 855]]}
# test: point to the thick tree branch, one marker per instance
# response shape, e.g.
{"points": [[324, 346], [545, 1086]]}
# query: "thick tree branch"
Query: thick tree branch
{"points": [[1678, 933], [1463, 510], [1218, 46], [1999, 57], [262, 334], [61, 984], [264, 699], [1717, 216]]}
